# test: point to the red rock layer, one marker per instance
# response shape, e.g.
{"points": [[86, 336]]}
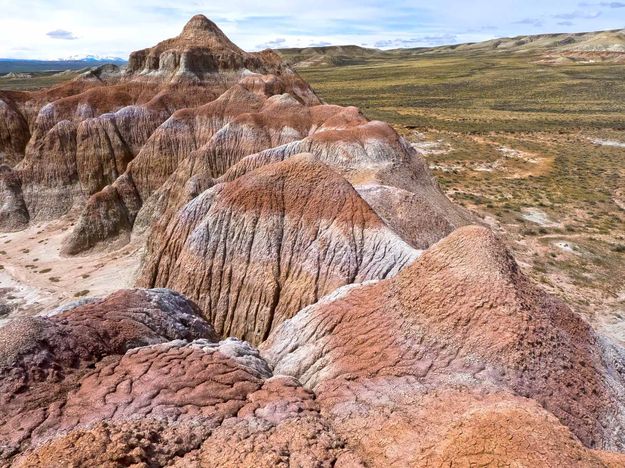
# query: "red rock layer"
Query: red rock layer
{"points": [[103, 383], [112, 212]]}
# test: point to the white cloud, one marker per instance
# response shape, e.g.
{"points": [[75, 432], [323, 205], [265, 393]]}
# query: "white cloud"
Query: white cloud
{"points": [[61, 34], [274, 44]]}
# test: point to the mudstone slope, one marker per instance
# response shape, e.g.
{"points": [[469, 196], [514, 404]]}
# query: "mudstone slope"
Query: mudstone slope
{"points": [[310, 296]]}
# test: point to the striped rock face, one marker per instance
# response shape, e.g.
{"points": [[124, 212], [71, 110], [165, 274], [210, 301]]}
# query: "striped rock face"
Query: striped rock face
{"points": [[67, 143], [312, 297], [256, 250]]}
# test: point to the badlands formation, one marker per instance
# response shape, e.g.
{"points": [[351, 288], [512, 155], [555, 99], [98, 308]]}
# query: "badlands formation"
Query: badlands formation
{"points": [[306, 296]]}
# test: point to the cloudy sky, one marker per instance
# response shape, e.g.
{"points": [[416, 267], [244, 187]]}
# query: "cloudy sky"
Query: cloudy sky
{"points": [[62, 28]]}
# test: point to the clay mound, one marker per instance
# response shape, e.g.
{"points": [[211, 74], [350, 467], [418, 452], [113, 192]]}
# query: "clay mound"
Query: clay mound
{"points": [[386, 172], [42, 358], [457, 359], [117, 150], [495, 433], [280, 122], [368, 154], [421, 219], [255, 114], [297, 226], [256, 250], [204, 140], [84, 142], [461, 316]]}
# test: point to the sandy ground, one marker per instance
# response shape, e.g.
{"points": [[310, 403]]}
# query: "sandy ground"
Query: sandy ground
{"points": [[35, 278], [602, 142], [538, 217]]}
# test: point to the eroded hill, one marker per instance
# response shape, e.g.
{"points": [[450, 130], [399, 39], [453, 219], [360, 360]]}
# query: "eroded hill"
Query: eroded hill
{"points": [[325, 305]]}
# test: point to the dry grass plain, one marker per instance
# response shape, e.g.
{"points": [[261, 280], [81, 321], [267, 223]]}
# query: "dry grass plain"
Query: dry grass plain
{"points": [[536, 150]]}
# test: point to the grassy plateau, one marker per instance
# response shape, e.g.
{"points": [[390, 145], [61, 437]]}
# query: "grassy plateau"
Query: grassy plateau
{"points": [[536, 150]]}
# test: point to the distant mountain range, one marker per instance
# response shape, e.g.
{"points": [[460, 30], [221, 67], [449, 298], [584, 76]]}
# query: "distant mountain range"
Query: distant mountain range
{"points": [[553, 48], [92, 58], [9, 65]]}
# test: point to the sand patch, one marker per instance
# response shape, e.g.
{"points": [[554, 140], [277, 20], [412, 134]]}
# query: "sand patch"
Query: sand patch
{"points": [[538, 217], [603, 142], [430, 147], [512, 153], [568, 247], [35, 278]]}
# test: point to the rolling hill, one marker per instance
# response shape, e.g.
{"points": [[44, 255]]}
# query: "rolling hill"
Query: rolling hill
{"points": [[567, 47]]}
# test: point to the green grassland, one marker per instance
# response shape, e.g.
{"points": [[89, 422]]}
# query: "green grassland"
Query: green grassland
{"points": [[507, 135], [37, 80], [476, 92]]}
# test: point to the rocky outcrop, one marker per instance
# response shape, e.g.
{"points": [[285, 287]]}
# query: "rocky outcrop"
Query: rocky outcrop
{"points": [[250, 126], [197, 404], [458, 330], [13, 212], [212, 125], [202, 52], [256, 250], [139, 377], [14, 130], [43, 358], [383, 168]]}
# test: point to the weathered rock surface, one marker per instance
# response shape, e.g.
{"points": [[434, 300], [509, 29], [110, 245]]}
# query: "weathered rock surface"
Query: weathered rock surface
{"points": [[14, 130], [209, 245], [201, 52], [113, 211], [461, 319], [43, 358], [102, 383], [256, 250], [13, 212], [299, 227], [430, 367], [383, 168]]}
